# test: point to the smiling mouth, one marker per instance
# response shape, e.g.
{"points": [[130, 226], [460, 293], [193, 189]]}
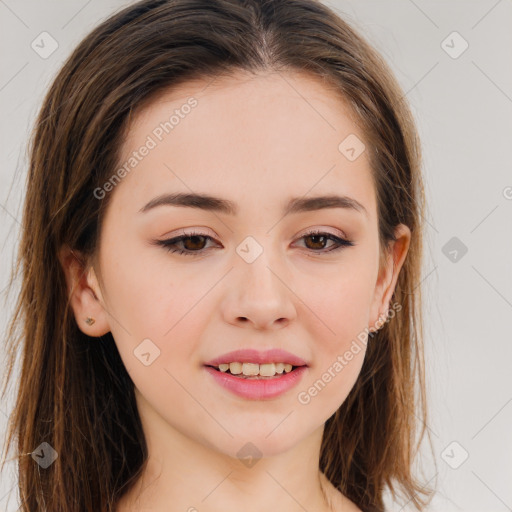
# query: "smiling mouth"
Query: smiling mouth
{"points": [[256, 377]]}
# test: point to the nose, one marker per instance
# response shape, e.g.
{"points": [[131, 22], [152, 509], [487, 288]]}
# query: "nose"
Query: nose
{"points": [[259, 295]]}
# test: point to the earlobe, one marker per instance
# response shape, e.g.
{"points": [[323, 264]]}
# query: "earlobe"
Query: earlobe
{"points": [[388, 277], [84, 293]]}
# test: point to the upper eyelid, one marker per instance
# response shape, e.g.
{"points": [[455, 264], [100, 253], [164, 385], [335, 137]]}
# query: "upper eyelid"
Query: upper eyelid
{"points": [[197, 232], [310, 232], [340, 242]]}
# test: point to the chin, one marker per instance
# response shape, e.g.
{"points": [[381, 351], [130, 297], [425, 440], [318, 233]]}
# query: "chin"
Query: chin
{"points": [[257, 443]]}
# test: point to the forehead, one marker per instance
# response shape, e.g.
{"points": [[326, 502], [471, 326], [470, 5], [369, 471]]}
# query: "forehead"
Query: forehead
{"points": [[273, 135]]}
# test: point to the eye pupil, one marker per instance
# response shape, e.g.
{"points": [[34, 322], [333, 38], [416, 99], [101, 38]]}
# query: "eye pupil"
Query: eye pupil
{"points": [[195, 239], [194, 244], [315, 239]]}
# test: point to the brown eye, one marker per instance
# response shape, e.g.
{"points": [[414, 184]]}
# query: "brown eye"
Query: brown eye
{"points": [[193, 244], [197, 242], [319, 240]]}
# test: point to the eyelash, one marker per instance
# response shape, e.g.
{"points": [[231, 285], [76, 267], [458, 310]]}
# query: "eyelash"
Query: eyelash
{"points": [[170, 243]]}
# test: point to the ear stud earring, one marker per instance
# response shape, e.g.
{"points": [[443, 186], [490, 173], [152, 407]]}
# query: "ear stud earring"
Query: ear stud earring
{"points": [[89, 320]]}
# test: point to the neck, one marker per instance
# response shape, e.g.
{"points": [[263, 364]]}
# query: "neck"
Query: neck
{"points": [[194, 477]]}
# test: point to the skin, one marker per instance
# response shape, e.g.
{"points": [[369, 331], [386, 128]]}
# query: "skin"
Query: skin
{"points": [[257, 141]]}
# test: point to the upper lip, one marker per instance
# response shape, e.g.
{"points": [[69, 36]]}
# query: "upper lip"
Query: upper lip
{"points": [[247, 355]]}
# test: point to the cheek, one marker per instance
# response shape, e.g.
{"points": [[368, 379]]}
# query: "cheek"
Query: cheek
{"points": [[156, 317], [340, 306], [148, 296], [329, 385], [337, 365]]}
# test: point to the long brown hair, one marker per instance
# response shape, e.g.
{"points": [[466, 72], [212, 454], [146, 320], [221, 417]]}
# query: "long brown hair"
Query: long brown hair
{"points": [[74, 392]]}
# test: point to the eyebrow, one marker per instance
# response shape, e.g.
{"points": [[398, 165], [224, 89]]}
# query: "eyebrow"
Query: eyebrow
{"points": [[217, 204]]}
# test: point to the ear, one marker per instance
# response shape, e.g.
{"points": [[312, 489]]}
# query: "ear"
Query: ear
{"points": [[84, 292], [388, 276]]}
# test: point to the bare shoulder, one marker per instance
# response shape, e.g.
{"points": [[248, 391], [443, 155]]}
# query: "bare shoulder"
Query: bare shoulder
{"points": [[349, 506], [342, 504], [338, 502]]}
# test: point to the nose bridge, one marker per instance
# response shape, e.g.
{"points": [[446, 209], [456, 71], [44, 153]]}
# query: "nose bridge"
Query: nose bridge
{"points": [[260, 294], [258, 265]]}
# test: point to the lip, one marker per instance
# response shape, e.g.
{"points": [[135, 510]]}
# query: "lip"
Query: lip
{"points": [[247, 355], [258, 389]]}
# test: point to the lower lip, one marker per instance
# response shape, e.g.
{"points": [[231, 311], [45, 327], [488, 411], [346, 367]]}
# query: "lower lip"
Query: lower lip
{"points": [[258, 389]]}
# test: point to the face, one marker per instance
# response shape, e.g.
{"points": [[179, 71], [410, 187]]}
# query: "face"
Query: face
{"points": [[251, 278]]}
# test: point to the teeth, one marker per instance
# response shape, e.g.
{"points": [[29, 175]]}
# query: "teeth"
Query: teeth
{"points": [[250, 369], [279, 367], [254, 369], [267, 370], [235, 368]]}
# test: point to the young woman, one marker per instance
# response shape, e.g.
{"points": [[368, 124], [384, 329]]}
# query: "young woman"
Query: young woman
{"points": [[220, 264]]}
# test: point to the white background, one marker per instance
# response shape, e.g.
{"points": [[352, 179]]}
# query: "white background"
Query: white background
{"points": [[463, 107]]}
